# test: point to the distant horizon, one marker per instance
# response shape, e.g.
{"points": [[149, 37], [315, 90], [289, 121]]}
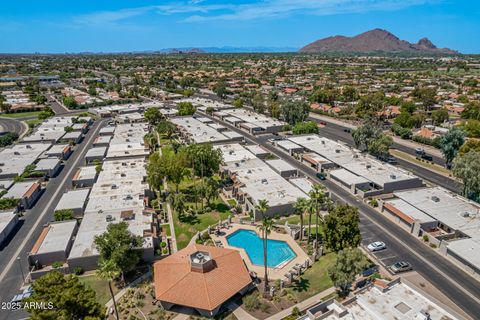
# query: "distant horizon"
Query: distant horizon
{"points": [[124, 26]]}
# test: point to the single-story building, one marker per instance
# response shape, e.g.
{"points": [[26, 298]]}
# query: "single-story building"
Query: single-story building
{"points": [[97, 153], [72, 137], [8, 221], [26, 192], [60, 151], [200, 277], [48, 166], [75, 200], [282, 167], [84, 177], [53, 244]]}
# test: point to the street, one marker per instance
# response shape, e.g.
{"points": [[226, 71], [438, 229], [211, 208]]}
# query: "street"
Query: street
{"points": [[31, 226], [12, 125], [457, 285]]}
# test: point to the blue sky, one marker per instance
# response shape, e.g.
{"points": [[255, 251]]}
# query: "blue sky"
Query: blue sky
{"points": [[58, 26]]}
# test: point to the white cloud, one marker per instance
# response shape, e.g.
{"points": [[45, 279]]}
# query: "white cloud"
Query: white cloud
{"points": [[202, 10]]}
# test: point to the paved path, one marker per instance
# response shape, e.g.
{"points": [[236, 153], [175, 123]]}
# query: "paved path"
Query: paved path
{"points": [[239, 312], [13, 125], [170, 222], [302, 306]]}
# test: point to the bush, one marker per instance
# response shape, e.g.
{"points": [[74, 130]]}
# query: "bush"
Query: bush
{"points": [[78, 271], [251, 301], [295, 312], [63, 214], [163, 244], [57, 264], [374, 203], [8, 203], [425, 238], [404, 133]]}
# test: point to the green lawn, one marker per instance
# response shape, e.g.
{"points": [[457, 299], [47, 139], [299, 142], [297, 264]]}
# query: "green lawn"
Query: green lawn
{"points": [[190, 225], [166, 228], [33, 122], [315, 279], [293, 219], [100, 287], [20, 114]]}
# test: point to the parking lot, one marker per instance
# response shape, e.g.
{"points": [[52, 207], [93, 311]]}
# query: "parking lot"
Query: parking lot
{"points": [[385, 257]]}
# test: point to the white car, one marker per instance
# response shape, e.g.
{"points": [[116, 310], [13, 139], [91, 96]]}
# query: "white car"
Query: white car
{"points": [[376, 246]]}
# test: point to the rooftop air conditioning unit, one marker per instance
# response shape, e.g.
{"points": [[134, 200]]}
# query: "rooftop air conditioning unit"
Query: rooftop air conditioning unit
{"points": [[323, 141], [435, 199], [465, 214], [337, 150], [114, 186], [109, 218], [393, 177], [368, 166]]}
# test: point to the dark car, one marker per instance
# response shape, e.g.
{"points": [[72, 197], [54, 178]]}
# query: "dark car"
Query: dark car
{"points": [[347, 130], [323, 123], [400, 266], [427, 157], [320, 175]]}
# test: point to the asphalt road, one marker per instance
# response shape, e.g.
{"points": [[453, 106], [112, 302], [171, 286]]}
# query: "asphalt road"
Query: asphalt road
{"points": [[457, 285], [12, 125], [336, 132], [58, 108], [31, 225]]}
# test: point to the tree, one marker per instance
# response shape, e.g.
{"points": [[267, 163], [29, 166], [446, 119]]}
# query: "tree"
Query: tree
{"points": [[439, 116], [153, 116], [186, 109], [370, 138], [294, 111], [349, 263], [170, 166], [210, 189], [109, 271], [8, 139], [472, 111], [467, 168], [47, 112], [210, 110], [118, 247], [426, 96], [265, 227], [238, 103], [341, 228], [321, 201], [204, 159], [220, 89], [63, 214], [178, 201], [8, 203], [70, 102], [380, 146], [300, 208], [468, 146], [258, 103], [306, 127], [71, 299], [404, 119], [167, 128], [451, 142]]}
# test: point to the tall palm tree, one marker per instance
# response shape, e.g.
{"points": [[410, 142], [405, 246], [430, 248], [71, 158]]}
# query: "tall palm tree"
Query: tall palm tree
{"points": [[266, 228], [320, 199], [300, 206], [310, 209], [109, 271]]}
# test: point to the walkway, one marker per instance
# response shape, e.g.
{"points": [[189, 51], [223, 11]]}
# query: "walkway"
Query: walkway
{"points": [[305, 304], [239, 312], [170, 222]]}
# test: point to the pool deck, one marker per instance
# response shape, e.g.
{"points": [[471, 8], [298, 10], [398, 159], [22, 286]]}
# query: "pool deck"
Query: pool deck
{"points": [[273, 273]]}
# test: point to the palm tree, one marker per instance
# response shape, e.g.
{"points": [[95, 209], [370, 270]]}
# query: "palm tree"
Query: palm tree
{"points": [[266, 228], [320, 199], [300, 206], [310, 208], [109, 271]]}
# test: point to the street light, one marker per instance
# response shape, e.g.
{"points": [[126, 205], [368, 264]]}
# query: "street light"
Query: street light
{"points": [[20, 264]]}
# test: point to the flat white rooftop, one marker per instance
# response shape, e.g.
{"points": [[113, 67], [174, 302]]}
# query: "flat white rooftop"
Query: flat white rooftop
{"points": [[85, 173], [198, 131], [14, 160], [347, 177], [57, 237], [47, 164], [452, 210], [20, 189], [73, 199], [256, 119], [280, 165]]}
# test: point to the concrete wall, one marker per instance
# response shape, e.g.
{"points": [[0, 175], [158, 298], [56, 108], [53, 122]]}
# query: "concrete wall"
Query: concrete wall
{"points": [[8, 228]]}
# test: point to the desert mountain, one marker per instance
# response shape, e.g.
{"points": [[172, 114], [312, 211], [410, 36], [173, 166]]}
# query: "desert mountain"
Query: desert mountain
{"points": [[371, 41]]}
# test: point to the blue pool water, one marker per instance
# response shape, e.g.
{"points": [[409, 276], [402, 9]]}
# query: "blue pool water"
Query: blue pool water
{"points": [[278, 252]]}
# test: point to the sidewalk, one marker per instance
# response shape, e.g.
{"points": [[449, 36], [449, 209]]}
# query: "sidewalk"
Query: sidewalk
{"points": [[406, 143], [239, 312], [302, 306], [173, 240]]}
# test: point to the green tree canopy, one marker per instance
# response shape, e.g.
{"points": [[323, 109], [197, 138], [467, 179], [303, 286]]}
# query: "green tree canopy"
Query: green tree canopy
{"points": [[305, 127], [70, 298], [119, 247], [186, 109], [451, 142], [467, 168], [349, 263], [440, 116], [63, 214], [469, 145], [153, 116], [294, 111], [204, 159], [341, 228], [70, 102], [369, 137]]}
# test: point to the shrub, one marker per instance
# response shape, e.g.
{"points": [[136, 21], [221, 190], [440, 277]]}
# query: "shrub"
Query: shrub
{"points": [[374, 203], [163, 244], [57, 264], [251, 301], [78, 271], [295, 312], [425, 238]]}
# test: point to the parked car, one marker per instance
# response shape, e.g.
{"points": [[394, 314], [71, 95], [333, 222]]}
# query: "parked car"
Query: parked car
{"points": [[427, 157], [320, 175], [420, 151], [401, 266], [27, 292], [347, 130], [376, 246], [323, 123]]}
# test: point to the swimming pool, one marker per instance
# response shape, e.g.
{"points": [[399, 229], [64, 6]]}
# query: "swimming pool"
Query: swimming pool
{"points": [[278, 252]]}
